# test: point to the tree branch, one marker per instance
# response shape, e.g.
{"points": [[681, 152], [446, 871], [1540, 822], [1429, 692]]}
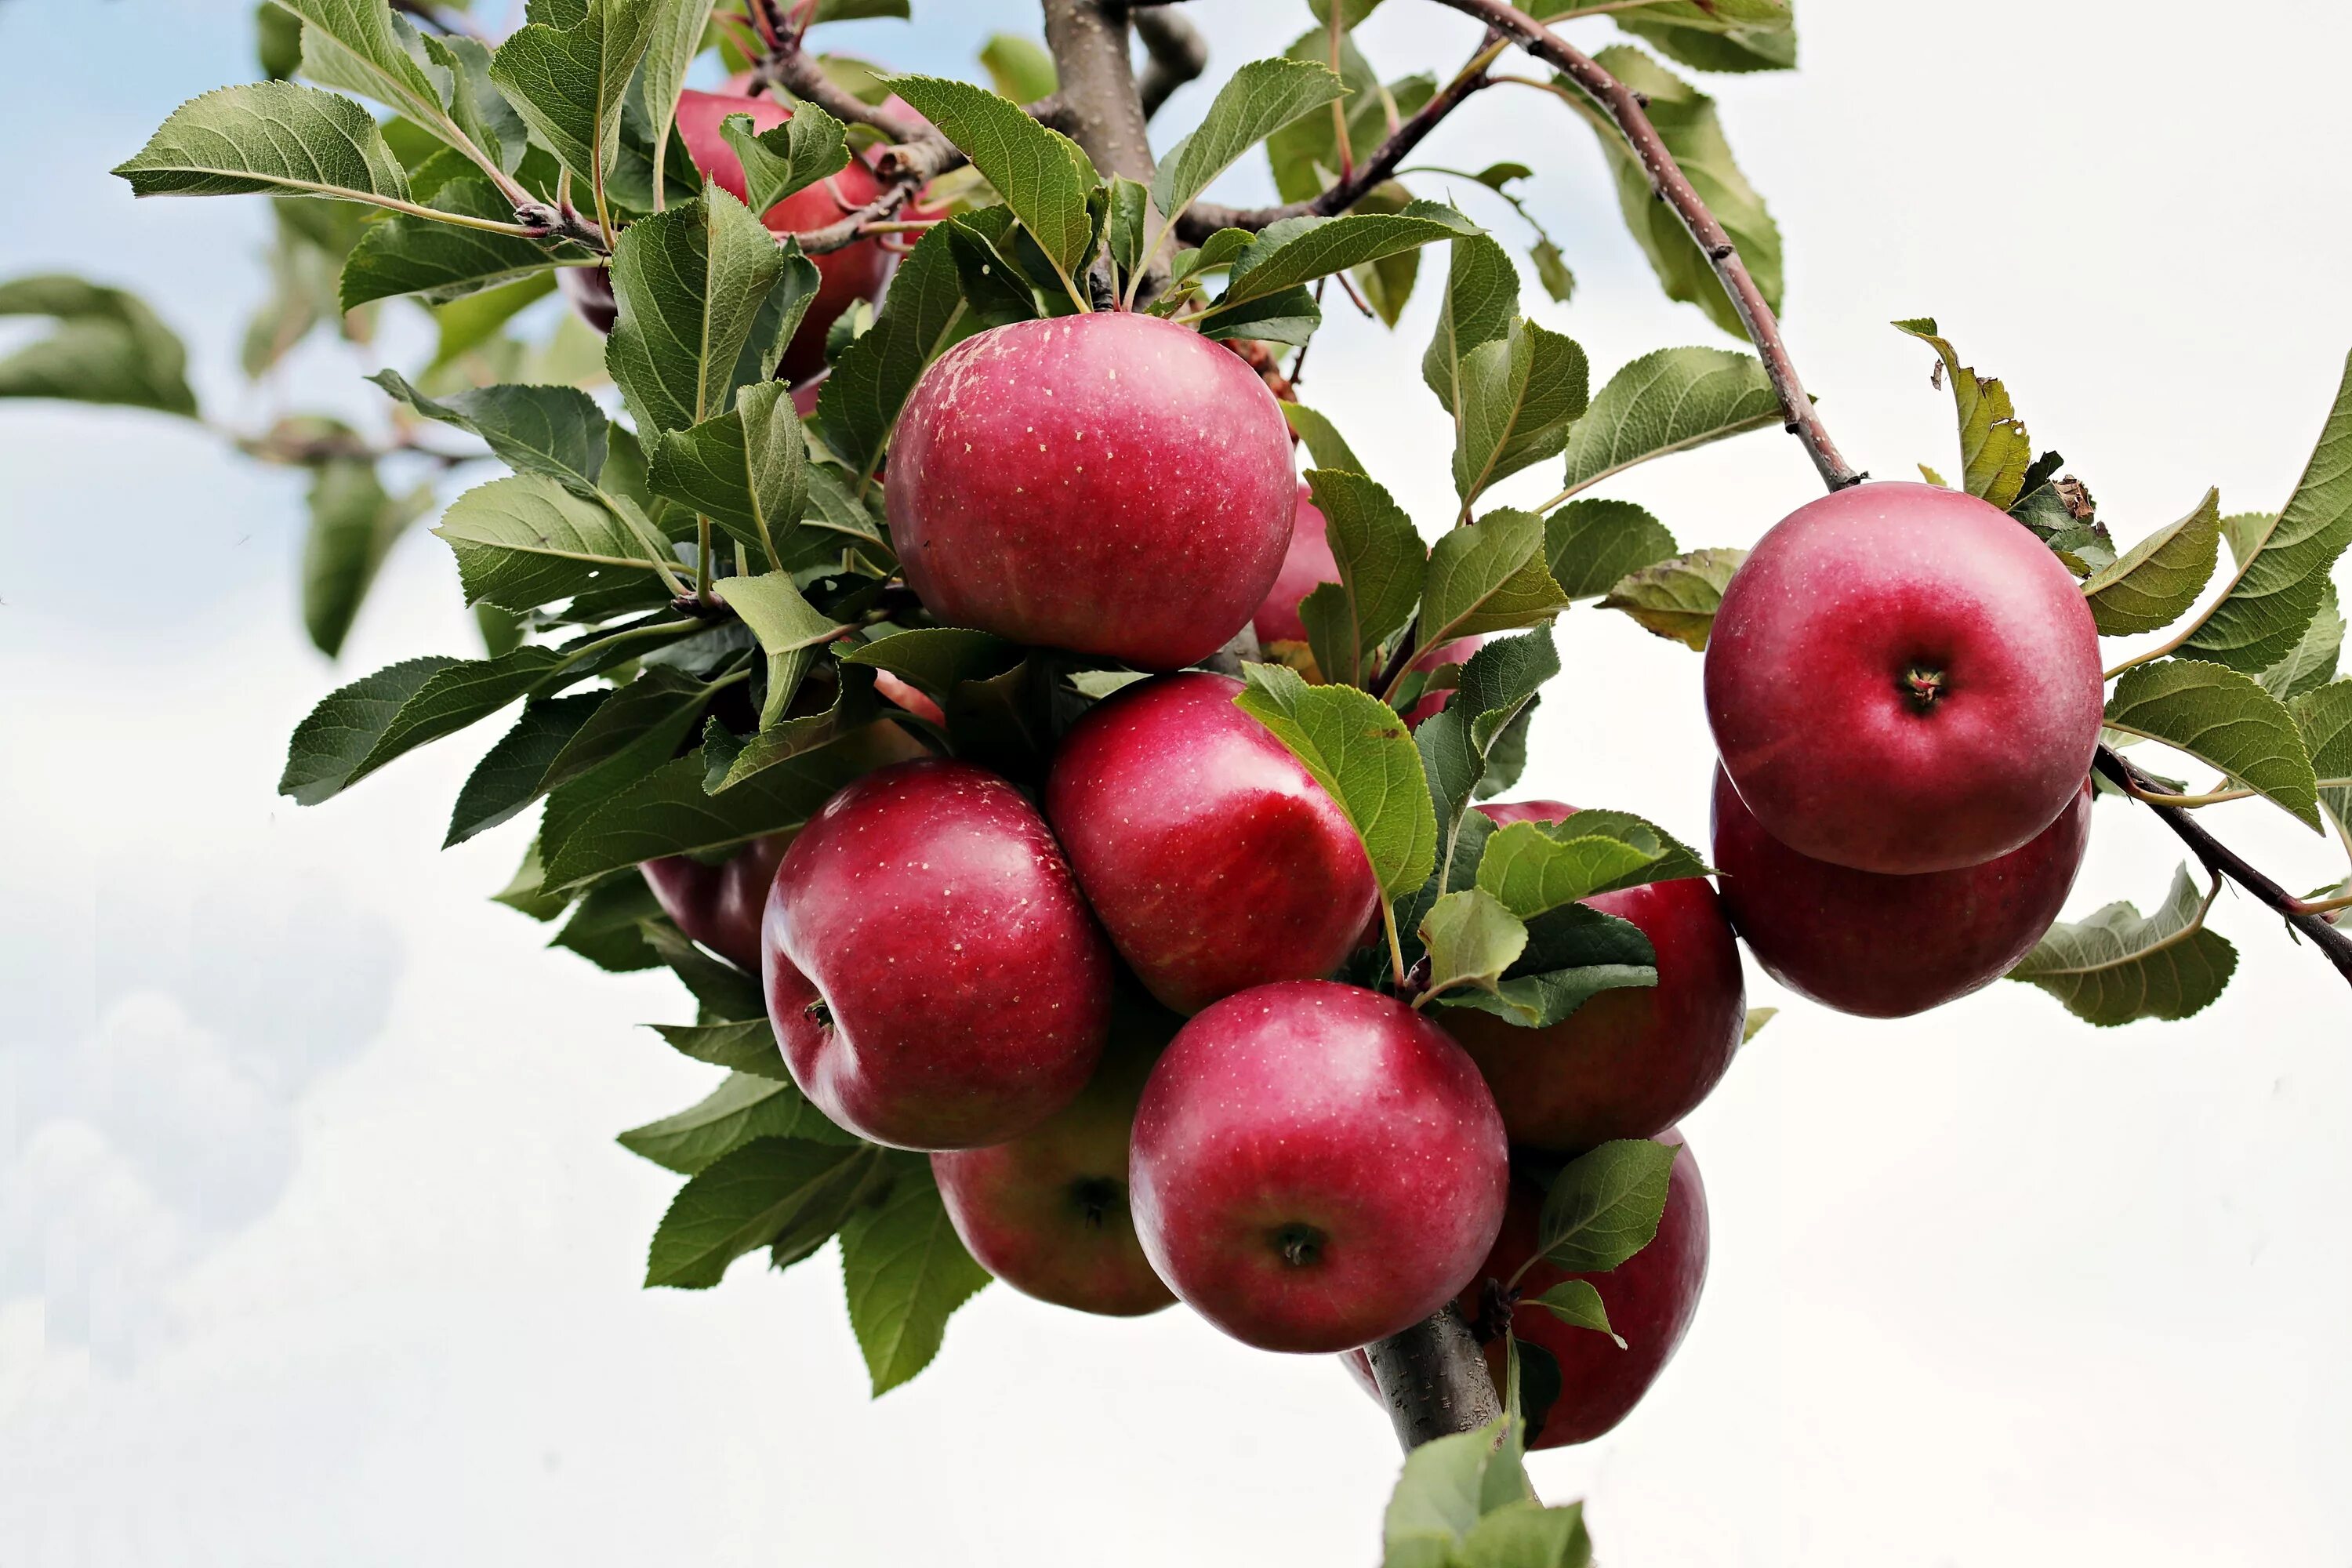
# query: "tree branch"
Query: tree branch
{"points": [[1100, 99], [1434, 1379], [1627, 109], [1175, 54], [2221, 860], [1204, 219]]}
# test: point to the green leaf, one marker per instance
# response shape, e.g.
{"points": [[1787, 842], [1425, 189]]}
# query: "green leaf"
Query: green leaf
{"points": [[277, 41], [1361, 752], [1528, 1535], [1995, 450], [1718, 37], [1449, 1485], [270, 136], [353, 524], [1687, 123], [450, 699], [634, 731], [1757, 1018], [1593, 545], [1576, 1304], [1458, 744], [789, 627], [1300, 250], [1605, 1206], [607, 928], [2312, 662], [1041, 174], [859, 405], [2287, 560], [2325, 719], [1387, 284], [441, 262], [690, 284], [906, 1272], [747, 1199], [938, 659], [2224, 718], [2152, 584], [1019, 68], [673, 38], [1677, 597], [358, 46], [1258, 100], [810, 146], [1519, 396], [1381, 561], [747, 471], [743, 1107], [2118, 966], [1665, 401], [1324, 443], [514, 772], [341, 731], [526, 541], [1552, 271], [748, 1047], [1531, 869], [1488, 576], [725, 992], [1289, 317], [556, 431], [477, 108], [668, 812], [568, 83], [1472, 939], [1130, 203], [108, 347], [1482, 301]]}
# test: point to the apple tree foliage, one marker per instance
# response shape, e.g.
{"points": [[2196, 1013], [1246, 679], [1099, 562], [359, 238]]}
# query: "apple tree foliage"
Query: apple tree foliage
{"points": [[686, 589]]}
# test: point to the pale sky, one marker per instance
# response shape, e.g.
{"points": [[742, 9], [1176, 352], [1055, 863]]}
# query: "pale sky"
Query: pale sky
{"points": [[314, 1241]]}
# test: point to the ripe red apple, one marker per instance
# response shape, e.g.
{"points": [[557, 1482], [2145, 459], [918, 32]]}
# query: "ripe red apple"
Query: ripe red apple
{"points": [[1109, 483], [1650, 1298], [857, 271], [1316, 1166], [1904, 678], [1306, 565], [1213, 859], [1887, 947], [719, 906], [1630, 1063], [1047, 1212], [932, 974]]}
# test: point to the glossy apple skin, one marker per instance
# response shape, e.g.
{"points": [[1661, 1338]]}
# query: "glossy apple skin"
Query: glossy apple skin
{"points": [[1630, 1063], [1819, 634], [965, 989], [719, 906], [1306, 565], [1212, 858], [1651, 1298], [1888, 947], [1047, 1212], [1108, 483], [1316, 1166], [855, 272]]}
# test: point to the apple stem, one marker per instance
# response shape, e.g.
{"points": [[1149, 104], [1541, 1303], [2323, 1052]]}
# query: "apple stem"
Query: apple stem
{"points": [[1434, 1379]]}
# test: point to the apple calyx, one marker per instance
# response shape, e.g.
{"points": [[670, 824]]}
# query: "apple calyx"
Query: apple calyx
{"points": [[1301, 1244], [1923, 686]]}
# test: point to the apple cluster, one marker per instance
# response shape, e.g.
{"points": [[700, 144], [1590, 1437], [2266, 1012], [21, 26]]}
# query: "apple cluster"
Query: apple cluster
{"points": [[1105, 1007]]}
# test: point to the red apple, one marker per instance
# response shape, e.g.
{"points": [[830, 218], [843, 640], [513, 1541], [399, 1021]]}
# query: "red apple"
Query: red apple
{"points": [[1306, 565], [1630, 1063], [1047, 1212], [718, 906], [1887, 947], [1904, 678], [1316, 1166], [1213, 859], [1109, 483], [932, 974], [1650, 1298], [909, 696], [855, 272]]}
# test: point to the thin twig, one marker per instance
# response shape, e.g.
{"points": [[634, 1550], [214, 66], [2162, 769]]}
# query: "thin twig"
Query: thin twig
{"points": [[1627, 110], [2221, 860], [1204, 219]]}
